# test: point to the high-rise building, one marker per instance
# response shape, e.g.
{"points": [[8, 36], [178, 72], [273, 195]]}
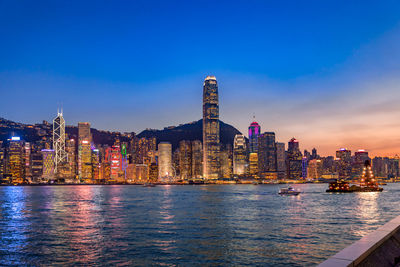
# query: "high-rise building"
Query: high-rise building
{"points": [[358, 163], [211, 141], [240, 160], [254, 133], [185, 159], [84, 151], [48, 163], [70, 149], [294, 160], [2, 161], [15, 160], [253, 165], [37, 166], [267, 166], [314, 169], [165, 171], [60, 157], [343, 163], [226, 162], [197, 158], [281, 160], [27, 161]]}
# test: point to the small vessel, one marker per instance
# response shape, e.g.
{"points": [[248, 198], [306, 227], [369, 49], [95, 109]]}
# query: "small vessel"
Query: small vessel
{"points": [[289, 191], [149, 185]]}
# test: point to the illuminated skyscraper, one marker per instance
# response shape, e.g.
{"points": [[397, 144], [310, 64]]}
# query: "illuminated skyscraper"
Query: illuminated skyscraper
{"points": [[343, 162], [48, 163], [197, 157], [281, 160], [253, 164], [267, 166], [185, 159], [15, 160], [294, 161], [254, 133], [27, 161], [84, 151], [226, 161], [165, 171], [211, 141], [240, 161], [60, 157]]}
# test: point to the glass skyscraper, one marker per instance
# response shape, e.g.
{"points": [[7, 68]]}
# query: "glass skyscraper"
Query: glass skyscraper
{"points": [[211, 142]]}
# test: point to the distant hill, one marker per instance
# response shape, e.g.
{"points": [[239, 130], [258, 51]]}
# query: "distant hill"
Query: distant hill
{"points": [[174, 134], [189, 131]]}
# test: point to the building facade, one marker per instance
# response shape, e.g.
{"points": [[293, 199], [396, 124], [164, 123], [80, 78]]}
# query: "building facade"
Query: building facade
{"points": [[211, 138]]}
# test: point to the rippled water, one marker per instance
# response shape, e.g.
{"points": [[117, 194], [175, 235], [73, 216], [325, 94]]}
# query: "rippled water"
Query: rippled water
{"points": [[184, 225]]}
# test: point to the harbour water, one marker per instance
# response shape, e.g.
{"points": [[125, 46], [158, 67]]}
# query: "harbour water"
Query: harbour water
{"points": [[185, 225]]}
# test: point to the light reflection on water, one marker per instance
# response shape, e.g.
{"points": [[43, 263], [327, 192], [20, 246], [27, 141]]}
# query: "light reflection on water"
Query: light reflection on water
{"points": [[184, 225]]}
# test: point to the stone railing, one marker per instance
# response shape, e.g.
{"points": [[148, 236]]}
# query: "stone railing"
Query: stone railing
{"points": [[379, 248]]}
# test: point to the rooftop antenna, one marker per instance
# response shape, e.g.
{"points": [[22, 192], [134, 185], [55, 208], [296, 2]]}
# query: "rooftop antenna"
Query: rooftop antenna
{"points": [[254, 116]]}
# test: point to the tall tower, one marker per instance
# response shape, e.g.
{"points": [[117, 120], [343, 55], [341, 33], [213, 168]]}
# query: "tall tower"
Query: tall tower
{"points": [[59, 141], [239, 155], [211, 145], [84, 151], [165, 172], [254, 133]]}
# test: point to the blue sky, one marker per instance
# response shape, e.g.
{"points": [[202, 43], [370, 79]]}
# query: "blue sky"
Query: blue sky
{"points": [[326, 72]]}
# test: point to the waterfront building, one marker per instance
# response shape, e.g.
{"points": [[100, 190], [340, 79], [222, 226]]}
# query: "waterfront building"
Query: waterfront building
{"points": [[48, 164], [153, 172], [2, 161], [142, 172], [314, 154], [185, 159], [253, 165], [60, 157], [84, 151], [267, 166], [70, 148], [142, 148], [197, 158], [360, 157], [294, 160], [314, 169], [254, 133], [240, 160], [226, 162], [343, 163], [211, 139], [385, 167], [165, 172], [116, 163], [281, 160], [304, 167], [37, 166], [15, 160], [27, 161]]}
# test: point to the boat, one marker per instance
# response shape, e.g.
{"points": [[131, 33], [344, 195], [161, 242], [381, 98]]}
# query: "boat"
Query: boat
{"points": [[149, 185], [339, 187], [289, 191], [367, 183]]}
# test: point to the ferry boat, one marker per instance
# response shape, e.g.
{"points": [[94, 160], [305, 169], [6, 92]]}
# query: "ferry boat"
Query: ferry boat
{"points": [[289, 191]]}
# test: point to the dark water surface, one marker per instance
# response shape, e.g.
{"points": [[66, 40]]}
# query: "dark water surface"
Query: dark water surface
{"points": [[184, 225]]}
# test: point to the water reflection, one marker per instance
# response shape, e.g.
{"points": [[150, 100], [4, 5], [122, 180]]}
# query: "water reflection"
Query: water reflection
{"points": [[183, 225]]}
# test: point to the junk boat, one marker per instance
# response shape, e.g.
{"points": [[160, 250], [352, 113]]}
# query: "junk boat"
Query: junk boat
{"points": [[289, 191], [367, 183]]}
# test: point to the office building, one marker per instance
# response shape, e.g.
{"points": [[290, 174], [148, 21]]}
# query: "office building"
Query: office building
{"points": [[240, 159], [211, 141]]}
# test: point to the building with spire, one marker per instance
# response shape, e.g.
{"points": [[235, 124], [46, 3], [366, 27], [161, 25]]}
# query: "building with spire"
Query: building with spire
{"points": [[254, 133], [60, 156], [211, 140]]}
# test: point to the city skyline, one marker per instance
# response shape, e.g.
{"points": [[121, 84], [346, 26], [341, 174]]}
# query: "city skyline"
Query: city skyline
{"points": [[337, 87]]}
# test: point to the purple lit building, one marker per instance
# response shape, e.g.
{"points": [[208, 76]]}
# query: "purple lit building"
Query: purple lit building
{"points": [[254, 133]]}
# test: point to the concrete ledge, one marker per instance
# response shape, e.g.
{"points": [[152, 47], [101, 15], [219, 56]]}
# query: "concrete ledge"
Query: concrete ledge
{"points": [[379, 248]]}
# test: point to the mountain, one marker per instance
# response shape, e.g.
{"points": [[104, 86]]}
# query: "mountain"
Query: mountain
{"points": [[189, 131]]}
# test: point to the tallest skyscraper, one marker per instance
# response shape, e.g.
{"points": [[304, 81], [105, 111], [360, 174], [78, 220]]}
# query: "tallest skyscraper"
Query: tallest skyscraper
{"points": [[211, 145]]}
